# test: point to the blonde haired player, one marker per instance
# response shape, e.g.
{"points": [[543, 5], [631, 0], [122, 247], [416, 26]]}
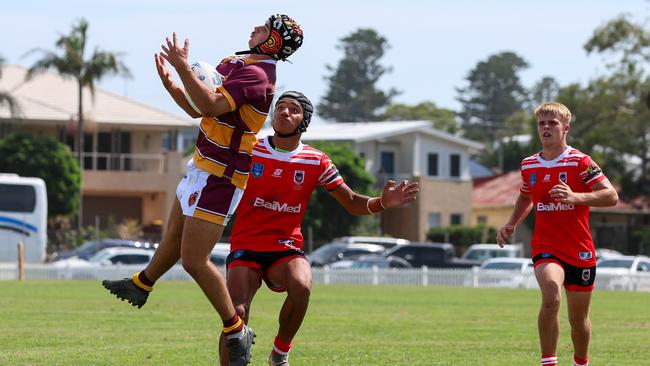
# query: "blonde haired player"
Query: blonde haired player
{"points": [[560, 183]]}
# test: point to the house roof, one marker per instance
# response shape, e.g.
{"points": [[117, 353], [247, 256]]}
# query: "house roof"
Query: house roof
{"points": [[502, 191], [50, 97], [368, 131]]}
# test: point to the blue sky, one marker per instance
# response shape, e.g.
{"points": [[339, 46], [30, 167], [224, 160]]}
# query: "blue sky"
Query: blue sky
{"points": [[434, 44]]}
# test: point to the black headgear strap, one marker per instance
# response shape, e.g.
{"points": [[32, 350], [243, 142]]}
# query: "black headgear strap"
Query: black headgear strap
{"points": [[307, 112]]}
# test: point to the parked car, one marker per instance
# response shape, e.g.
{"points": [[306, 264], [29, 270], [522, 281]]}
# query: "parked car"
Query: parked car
{"points": [[503, 272], [617, 273], [90, 248], [220, 253], [380, 240], [607, 253], [371, 261], [333, 252], [108, 257], [481, 252], [435, 255]]}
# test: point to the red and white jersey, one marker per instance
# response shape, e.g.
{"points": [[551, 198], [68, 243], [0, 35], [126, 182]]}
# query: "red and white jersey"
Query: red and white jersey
{"points": [[561, 229], [275, 201]]}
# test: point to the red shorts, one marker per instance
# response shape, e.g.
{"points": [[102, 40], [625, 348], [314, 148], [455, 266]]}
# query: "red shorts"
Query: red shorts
{"points": [[207, 197]]}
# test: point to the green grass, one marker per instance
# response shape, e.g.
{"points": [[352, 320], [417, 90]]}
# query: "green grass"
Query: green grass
{"points": [[79, 323]]}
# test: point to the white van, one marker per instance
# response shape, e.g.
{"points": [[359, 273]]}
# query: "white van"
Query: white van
{"points": [[23, 217], [481, 252]]}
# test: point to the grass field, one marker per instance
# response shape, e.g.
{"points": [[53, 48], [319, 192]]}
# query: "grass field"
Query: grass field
{"points": [[79, 323]]}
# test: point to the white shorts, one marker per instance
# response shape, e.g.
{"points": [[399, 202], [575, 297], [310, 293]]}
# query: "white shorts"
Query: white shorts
{"points": [[207, 197]]}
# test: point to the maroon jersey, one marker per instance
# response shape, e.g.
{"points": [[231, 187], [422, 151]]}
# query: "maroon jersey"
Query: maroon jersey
{"points": [[273, 206], [561, 229], [225, 143]]}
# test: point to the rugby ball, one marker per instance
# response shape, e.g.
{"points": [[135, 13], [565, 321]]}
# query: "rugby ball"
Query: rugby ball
{"points": [[208, 75]]}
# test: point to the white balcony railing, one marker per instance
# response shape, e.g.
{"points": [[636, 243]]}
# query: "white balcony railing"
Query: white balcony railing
{"points": [[95, 161]]}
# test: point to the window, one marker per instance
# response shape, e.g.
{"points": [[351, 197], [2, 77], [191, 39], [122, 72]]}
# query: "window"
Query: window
{"points": [[454, 165], [432, 164], [456, 219], [17, 198], [481, 219], [387, 162], [433, 220]]}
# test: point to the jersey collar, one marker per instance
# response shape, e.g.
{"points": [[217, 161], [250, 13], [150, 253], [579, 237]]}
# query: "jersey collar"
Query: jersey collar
{"points": [[550, 163]]}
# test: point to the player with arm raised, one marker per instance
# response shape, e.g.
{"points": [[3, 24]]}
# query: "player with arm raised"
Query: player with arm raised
{"points": [[560, 183], [266, 243], [209, 193]]}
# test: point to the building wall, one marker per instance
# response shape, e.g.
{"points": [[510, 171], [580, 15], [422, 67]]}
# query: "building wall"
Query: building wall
{"points": [[436, 197]]}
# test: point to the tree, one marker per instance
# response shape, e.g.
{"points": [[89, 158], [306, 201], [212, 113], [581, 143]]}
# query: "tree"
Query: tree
{"points": [[48, 159], [493, 94], [353, 95], [325, 215], [5, 97], [73, 64], [545, 90], [441, 118]]}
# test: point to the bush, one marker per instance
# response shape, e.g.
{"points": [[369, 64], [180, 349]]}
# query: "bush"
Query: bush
{"points": [[462, 236]]}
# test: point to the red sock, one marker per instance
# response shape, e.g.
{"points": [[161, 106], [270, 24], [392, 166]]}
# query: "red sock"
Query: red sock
{"points": [[580, 362], [549, 359], [233, 325], [280, 346]]}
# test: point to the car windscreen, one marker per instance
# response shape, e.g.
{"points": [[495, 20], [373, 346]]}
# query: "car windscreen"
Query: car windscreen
{"points": [[326, 251], [615, 263]]}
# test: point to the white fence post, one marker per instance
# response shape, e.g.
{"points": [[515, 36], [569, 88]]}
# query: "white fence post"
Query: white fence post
{"points": [[475, 276], [375, 275], [425, 276], [326, 275]]}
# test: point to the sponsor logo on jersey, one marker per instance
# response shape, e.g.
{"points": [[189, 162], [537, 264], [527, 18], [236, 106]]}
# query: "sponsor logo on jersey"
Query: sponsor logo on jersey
{"points": [[276, 206], [299, 176], [586, 274], [563, 177], [555, 206], [257, 170], [192, 199], [277, 172], [547, 178], [288, 242], [533, 179], [585, 256]]}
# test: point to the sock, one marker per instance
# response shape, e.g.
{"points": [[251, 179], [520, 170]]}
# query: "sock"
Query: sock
{"points": [[233, 325], [141, 281], [280, 346], [549, 359], [579, 362]]}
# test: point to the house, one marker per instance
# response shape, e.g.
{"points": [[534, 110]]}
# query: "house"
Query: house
{"points": [[415, 151], [131, 158], [614, 227]]}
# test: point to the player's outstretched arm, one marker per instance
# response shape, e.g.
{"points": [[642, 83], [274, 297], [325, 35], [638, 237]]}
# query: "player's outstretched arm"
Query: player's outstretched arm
{"points": [[209, 102], [393, 195], [522, 208], [174, 90]]}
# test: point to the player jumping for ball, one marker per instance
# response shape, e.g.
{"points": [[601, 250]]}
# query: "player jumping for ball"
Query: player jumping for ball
{"points": [[217, 175]]}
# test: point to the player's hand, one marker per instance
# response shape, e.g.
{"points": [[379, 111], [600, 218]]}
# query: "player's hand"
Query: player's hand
{"points": [[174, 53], [163, 71], [562, 193], [504, 234], [394, 194]]}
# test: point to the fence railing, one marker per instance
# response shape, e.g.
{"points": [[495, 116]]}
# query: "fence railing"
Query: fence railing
{"points": [[373, 276]]}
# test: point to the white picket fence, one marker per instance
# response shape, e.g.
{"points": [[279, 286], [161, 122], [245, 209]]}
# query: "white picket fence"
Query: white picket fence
{"points": [[374, 276]]}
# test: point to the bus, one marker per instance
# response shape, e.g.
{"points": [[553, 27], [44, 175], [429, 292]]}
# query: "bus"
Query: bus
{"points": [[23, 218]]}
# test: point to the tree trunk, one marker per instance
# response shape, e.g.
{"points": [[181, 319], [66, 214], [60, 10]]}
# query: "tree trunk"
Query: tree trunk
{"points": [[80, 137]]}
